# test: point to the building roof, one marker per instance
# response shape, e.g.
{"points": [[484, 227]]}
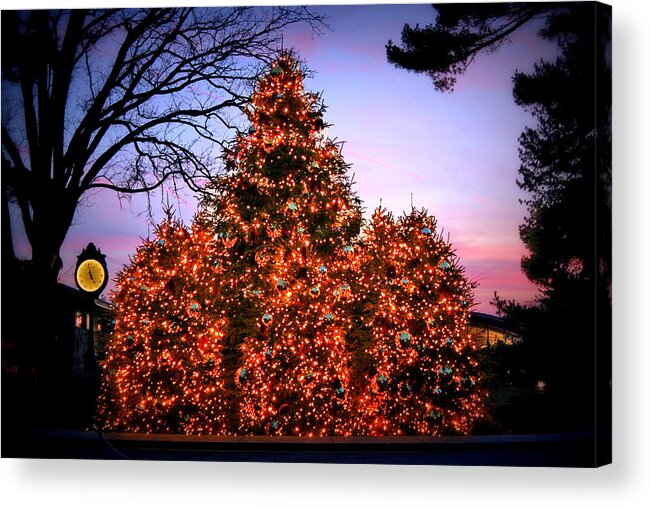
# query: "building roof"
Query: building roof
{"points": [[75, 296], [487, 320]]}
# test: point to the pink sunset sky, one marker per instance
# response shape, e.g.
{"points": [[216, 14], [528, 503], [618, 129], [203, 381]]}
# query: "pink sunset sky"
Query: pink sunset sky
{"points": [[454, 154]]}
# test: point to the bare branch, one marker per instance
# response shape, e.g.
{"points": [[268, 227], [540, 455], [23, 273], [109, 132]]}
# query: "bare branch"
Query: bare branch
{"points": [[125, 99]]}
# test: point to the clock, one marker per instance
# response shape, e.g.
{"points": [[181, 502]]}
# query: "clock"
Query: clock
{"points": [[91, 274]]}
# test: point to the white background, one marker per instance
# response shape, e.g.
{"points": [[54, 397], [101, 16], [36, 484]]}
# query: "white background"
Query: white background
{"points": [[626, 482]]}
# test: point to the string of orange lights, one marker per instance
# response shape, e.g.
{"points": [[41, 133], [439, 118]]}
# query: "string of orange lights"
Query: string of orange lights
{"points": [[280, 313]]}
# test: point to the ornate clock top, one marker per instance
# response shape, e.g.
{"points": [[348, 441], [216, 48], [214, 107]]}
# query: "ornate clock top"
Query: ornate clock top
{"points": [[91, 273]]}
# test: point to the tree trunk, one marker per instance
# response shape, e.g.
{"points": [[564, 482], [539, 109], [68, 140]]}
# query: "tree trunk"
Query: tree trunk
{"points": [[51, 219], [8, 253]]}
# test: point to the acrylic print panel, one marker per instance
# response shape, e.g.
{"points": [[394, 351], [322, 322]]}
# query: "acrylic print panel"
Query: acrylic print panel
{"points": [[353, 234]]}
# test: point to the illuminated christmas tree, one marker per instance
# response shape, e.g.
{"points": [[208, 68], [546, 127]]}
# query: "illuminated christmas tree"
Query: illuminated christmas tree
{"points": [[289, 217], [426, 375], [274, 316], [162, 372]]}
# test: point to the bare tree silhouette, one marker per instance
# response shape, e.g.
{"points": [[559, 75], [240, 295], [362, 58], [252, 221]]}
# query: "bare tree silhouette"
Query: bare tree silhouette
{"points": [[128, 100]]}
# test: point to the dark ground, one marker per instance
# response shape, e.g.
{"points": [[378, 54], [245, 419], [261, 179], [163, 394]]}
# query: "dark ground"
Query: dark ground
{"points": [[558, 450]]}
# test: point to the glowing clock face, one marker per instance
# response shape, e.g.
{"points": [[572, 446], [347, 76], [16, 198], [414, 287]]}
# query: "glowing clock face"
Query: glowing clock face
{"points": [[90, 275]]}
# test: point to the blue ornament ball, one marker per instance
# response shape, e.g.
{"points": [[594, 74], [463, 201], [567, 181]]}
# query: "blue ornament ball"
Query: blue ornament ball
{"points": [[381, 381], [404, 339], [434, 415], [444, 265], [242, 376], [445, 370], [404, 390]]}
